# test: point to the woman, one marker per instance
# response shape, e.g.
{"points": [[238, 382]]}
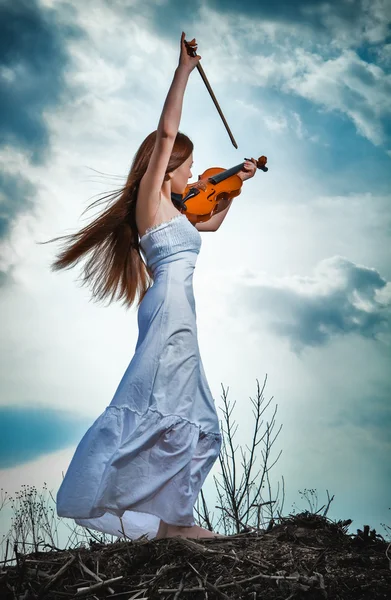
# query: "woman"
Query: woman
{"points": [[140, 467]]}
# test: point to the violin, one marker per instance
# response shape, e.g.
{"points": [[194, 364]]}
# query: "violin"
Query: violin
{"points": [[201, 199]]}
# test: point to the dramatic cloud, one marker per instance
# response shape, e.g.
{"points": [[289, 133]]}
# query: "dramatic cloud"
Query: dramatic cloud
{"points": [[16, 197], [343, 84], [340, 299], [347, 84], [346, 22], [33, 66]]}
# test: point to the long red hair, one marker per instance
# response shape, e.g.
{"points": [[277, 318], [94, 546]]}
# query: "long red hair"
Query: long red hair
{"points": [[116, 266]]}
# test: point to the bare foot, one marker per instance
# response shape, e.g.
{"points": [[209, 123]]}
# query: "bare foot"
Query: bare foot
{"points": [[194, 532], [162, 531]]}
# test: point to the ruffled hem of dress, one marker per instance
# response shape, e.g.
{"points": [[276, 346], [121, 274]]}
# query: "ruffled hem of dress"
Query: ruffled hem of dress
{"points": [[178, 418], [145, 462], [135, 524]]}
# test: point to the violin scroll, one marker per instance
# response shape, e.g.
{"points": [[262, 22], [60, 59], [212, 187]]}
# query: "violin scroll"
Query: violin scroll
{"points": [[261, 163]]}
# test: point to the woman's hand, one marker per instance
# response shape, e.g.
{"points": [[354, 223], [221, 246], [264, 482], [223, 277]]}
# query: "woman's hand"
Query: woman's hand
{"points": [[249, 169], [201, 184], [186, 61]]}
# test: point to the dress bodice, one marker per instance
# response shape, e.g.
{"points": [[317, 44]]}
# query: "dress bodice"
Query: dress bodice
{"points": [[169, 239]]}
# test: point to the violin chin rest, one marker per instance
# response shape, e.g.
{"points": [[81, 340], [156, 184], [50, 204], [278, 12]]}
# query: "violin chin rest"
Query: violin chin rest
{"points": [[191, 193], [178, 202]]}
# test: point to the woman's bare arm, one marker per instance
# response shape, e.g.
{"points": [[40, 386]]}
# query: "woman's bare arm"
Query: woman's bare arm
{"points": [[151, 183], [214, 222]]}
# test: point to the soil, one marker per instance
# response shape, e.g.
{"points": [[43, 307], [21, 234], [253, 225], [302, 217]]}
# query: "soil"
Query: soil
{"points": [[305, 556]]}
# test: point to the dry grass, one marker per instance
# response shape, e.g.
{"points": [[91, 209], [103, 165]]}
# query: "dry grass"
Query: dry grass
{"points": [[304, 556]]}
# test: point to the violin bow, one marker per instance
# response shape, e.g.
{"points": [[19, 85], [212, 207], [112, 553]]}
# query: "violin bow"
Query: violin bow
{"points": [[201, 71]]}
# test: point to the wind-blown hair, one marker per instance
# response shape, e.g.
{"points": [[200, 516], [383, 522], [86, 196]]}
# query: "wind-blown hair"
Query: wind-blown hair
{"points": [[116, 265]]}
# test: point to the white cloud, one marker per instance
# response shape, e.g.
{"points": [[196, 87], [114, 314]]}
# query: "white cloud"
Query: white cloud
{"points": [[340, 298], [276, 123], [375, 20], [384, 56], [336, 80], [281, 123], [346, 84]]}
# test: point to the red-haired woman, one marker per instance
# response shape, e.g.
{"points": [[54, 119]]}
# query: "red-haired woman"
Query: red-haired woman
{"points": [[146, 457]]}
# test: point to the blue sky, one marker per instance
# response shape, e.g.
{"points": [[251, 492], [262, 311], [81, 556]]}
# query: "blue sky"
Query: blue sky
{"points": [[295, 284], [27, 433]]}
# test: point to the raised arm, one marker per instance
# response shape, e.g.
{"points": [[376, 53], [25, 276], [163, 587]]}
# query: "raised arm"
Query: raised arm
{"points": [[151, 183]]}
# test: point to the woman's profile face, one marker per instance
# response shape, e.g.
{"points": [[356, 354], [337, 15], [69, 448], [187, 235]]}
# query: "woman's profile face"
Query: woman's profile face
{"points": [[181, 176]]}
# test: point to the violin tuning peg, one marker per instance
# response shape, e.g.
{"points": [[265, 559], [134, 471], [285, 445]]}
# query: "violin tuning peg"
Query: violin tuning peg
{"points": [[261, 163]]}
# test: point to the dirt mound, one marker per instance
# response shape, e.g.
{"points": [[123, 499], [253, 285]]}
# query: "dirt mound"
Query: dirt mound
{"points": [[304, 556]]}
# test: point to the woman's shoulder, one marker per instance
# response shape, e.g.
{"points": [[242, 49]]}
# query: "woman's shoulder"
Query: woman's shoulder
{"points": [[145, 219]]}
